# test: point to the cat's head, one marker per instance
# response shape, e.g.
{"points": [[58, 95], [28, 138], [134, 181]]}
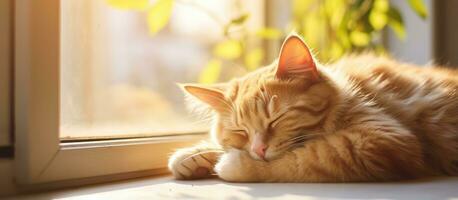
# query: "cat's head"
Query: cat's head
{"points": [[269, 111]]}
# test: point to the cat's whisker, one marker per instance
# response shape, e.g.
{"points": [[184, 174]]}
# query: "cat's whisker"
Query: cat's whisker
{"points": [[296, 140], [289, 143], [290, 146], [286, 141], [303, 136]]}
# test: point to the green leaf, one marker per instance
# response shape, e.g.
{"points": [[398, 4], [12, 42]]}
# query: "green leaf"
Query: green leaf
{"points": [[378, 15], [381, 5], [378, 19], [314, 30], [128, 4], [240, 20], [343, 31], [269, 33], [159, 15], [359, 38], [419, 7], [211, 72], [396, 23], [229, 49], [335, 51], [254, 58], [236, 21], [334, 10], [300, 7]]}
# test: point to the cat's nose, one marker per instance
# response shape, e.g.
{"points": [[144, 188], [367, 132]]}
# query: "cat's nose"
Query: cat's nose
{"points": [[259, 146], [260, 150]]}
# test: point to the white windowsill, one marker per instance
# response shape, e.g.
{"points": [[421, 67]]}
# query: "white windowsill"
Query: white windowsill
{"points": [[167, 188]]}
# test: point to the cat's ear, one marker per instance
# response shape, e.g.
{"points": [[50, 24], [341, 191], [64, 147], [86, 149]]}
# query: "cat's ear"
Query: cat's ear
{"points": [[210, 95], [295, 60]]}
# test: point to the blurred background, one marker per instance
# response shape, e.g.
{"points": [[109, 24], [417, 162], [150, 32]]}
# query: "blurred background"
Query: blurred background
{"points": [[121, 59]]}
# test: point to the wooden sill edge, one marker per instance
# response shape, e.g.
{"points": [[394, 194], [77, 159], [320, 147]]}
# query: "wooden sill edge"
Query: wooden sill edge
{"points": [[90, 181]]}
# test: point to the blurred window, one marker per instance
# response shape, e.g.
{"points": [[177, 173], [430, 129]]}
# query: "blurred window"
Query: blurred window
{"points": [[119, 80]]}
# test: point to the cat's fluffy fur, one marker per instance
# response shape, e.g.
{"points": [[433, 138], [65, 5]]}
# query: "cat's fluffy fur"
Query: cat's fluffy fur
{"points": [[363, 118]]}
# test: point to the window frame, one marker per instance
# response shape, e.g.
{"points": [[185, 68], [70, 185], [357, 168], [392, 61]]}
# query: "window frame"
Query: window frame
{"points": [[40, 155], [5, 73]]}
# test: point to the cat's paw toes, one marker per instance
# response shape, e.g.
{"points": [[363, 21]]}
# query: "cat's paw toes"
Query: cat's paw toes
{"points": [[193, 165]]}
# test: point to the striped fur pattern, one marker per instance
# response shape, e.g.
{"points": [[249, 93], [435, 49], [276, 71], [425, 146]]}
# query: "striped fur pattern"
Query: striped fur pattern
{"points": [[366, 118]]}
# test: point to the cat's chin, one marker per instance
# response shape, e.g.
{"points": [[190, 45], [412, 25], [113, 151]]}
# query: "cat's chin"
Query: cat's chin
{"points": [[273, 156], [255, 157]]}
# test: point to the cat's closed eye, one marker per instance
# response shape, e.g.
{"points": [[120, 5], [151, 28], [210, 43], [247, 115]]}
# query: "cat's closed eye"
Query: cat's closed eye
{"points": [[275, 121], [240, 132]]}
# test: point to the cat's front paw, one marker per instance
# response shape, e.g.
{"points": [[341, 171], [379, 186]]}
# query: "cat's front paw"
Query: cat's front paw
{"points": [[193, 164], [236, 166]]}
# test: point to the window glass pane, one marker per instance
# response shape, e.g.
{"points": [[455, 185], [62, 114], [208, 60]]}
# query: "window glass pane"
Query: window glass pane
{"points": [[119, 79]]}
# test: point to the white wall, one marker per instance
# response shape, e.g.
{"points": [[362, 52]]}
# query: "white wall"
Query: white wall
{"points": [[418, 45]]}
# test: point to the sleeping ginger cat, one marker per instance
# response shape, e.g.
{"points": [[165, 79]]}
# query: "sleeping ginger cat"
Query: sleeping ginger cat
{"points": [[362, 118]]}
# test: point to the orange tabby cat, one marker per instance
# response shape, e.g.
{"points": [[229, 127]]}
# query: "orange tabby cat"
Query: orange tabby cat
{"points": [[362, 118]]}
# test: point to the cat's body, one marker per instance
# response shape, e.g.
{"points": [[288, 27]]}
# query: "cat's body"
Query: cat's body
{"points": [[363, 118], [424, 99]]}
